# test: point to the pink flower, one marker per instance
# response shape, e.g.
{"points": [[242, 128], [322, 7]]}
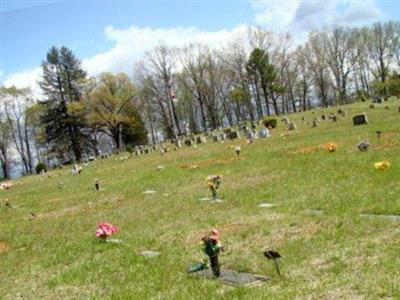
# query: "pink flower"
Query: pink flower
{"points": [[105, 229]]}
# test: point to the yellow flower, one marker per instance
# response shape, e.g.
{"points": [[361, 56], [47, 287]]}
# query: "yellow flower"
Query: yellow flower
{"points": [[331, 147], [382, 165]]}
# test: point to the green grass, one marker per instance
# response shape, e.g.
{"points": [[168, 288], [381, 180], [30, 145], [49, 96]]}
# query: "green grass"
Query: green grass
{"points": [[332, 255]]}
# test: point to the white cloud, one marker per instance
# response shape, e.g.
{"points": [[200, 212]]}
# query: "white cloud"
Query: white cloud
{"points": [[275, 15], [23, 79], [301, 16], [359, 11], [133, 42]]}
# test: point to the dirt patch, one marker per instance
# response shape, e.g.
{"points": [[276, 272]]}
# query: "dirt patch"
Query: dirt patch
{"points": [[4, 247]]}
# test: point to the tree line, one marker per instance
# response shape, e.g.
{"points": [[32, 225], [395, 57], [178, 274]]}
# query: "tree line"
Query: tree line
{"points": [[176, 91]]}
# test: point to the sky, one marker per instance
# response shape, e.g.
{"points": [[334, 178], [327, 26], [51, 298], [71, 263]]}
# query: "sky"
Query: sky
{"points": [[112, 35]]}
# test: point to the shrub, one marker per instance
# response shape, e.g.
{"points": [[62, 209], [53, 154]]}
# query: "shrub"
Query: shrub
{"points": [[129, 148], [270, 122], [40, 167]]}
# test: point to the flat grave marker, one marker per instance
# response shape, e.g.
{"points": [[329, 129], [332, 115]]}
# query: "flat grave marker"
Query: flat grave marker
{"points": [[234, 278]]}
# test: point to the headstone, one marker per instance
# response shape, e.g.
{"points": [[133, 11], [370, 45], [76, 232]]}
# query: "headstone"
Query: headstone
{"points": [[371, 106], [233, 278], [264, 133], [178, 143], [216, 138], [323, 117], [92, 158], [250, 135], [334, 118], [314, 123], [189, 142], [292, 126], [150, 253], [360, 119], [233, 135], [377, 100], [363, 146], [201, 140], [222, 137], [387, 107]]}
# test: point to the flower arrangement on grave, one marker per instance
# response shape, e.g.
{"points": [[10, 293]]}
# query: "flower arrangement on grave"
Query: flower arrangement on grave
{"points": [[237, 149], [104, 230], [382, 165], [331, 147], [212, 247], [213, 182]]}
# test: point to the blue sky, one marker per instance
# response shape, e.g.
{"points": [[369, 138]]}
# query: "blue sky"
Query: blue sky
{"points": [[111, 35]]}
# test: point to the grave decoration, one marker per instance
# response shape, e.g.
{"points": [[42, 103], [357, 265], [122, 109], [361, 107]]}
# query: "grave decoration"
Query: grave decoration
{"points": [[104, 230], [97, 184], [382, 165], [237, 149], [212, 247], [274, 256], [331, 147], [213, 182], [363, 146]]}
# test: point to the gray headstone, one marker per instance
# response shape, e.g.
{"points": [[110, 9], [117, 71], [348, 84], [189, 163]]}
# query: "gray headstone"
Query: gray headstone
{"points": [[189, 142], [222, 137], [360, 119], [363, 146], [250, 135], [264, 133], [292, 126], [216, 138]]}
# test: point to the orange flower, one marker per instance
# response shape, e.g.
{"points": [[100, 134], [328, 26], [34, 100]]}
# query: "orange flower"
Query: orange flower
{"points": [[332, 147]]}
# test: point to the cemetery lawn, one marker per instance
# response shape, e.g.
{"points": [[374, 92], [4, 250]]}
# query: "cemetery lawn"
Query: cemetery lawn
{"points": [[328, 250]]}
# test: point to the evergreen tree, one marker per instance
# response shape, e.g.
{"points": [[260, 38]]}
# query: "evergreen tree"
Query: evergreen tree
{"points": [[62, 83]]}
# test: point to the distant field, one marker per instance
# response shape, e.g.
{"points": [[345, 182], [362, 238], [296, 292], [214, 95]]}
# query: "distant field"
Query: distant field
{"points": [[329, 254]]}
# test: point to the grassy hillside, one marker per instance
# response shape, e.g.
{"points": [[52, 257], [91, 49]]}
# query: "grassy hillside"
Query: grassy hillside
{"points": [[334, 254]]}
